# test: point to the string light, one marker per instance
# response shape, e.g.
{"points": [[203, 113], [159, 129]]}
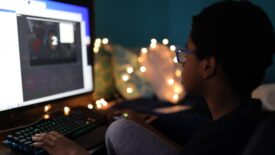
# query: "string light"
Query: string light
{"points": [[153, 41], [140, 59], [178, 89], [165, 41], [98, 105], [125, 77], [175, 60], [144, 50], [175, 97], [142, 69], [171, 81], [105, 41], [67, 111], [96, 49], [47, 108], [130, 70], [153, 45], [97, 42], [178, 72], [129, 90], [172, 47], [90, 106], [103, 102], [46, 116]]}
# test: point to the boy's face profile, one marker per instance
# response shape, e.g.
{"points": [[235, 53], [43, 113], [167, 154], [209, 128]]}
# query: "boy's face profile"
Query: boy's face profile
{"points": [[197, 72], [191, 79]]}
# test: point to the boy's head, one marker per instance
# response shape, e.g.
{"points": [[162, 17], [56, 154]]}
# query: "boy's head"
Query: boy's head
{"points": [[239, 37]]}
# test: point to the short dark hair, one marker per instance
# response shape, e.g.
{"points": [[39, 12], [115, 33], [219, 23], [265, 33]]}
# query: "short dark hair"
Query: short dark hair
{"points": [[241, 38]]}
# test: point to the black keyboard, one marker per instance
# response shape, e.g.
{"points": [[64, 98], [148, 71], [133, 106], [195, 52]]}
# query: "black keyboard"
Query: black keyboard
{"points": [[72, 126]]}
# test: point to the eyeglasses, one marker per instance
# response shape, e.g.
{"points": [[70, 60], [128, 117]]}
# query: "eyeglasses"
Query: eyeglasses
{"points": [[182, 54]]}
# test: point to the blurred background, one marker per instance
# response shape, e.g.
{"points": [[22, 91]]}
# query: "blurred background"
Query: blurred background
{"points": [[131, 27]]}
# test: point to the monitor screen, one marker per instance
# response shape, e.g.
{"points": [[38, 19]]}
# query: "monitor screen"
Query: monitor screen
{"points": [[43, 52]]}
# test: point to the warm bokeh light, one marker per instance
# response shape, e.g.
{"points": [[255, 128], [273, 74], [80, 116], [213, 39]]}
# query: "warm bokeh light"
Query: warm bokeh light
{"points": [[101, 103], [105, 41], [125, 77], [153, 41], [46, 116], [178, 89], [67, 110], [129, 90], [171, 81], [140, 59], [130, 70], [172, 47], [90, 106], [143, 69], [165, 41], [144, 50], [98, 105], [153, 45], [97, 42], [96, 49], [178, 73], [47, 108], [175, 60], [175, 97]]}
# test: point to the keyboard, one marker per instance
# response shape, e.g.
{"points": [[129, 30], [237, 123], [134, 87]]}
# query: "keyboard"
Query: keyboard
{"points": [[72, 126]]}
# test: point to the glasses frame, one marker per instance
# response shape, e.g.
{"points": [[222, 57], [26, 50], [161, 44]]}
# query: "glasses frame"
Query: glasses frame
{"points": [[181, 54]]}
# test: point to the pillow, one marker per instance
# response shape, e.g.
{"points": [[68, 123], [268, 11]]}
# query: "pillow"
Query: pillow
{"points": [[136, 86]]}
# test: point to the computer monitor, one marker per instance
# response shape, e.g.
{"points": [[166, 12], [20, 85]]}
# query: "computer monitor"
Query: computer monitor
{"points": [[43, 52]]}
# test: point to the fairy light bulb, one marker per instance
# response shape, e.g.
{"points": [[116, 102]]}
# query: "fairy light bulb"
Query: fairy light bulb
{"points": [[105, 41], [175, 60], [97, 42], [165, 41], [46, 116], [144, 50], [178, 73], [171, 81], [178, 89], [96, 49], [172, 47], [175, 97], [90, 106], [140, 59], [129, 90], [130, 70], [142, 69], [153, 41], [67, 111], [98, 104], [153, 45], [103, 102], [47, 108], [125, 77]]}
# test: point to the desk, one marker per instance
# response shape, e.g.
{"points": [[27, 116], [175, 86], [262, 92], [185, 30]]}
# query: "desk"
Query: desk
{"points": [[90, 140]]}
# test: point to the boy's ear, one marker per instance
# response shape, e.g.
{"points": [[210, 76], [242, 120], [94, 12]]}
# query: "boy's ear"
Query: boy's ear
{"points": [[208, 67]]}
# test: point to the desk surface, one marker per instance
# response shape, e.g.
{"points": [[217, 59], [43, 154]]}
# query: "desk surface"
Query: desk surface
{"points": [[88, 141]]}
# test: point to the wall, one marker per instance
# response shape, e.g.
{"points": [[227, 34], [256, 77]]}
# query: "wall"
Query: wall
{"points": [[132, 23], [269, 7]]}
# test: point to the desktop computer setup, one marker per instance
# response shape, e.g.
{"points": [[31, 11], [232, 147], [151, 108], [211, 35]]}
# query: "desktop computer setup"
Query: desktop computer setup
{"points": [[44, 57]]}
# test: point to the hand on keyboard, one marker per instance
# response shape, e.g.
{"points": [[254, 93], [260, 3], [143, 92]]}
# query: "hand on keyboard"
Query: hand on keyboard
{"points": [[56, 144]]}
